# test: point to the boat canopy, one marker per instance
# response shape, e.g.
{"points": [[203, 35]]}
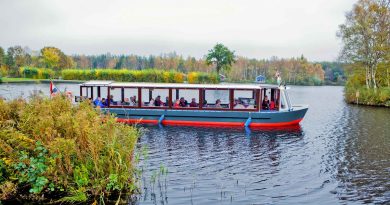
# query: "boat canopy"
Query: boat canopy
{"points": [[176, 85]]}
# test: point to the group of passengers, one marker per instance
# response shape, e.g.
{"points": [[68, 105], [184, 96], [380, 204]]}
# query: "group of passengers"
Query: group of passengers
{"points": [[182, 102], [267, 104], [244, 104], [102, 102], [130, 102]]}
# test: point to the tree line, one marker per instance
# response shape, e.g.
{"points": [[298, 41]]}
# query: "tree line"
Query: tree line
{"points": [[296, 70]]}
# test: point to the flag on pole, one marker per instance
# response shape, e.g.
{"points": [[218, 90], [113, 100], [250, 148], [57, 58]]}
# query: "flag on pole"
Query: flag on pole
{"points": [[53, 89]]}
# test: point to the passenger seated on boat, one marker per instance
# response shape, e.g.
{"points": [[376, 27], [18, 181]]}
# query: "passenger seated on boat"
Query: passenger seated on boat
{"points": [[176, 104], [134, 100], [112, 102], [183, 102], [236, 102], [166, 101], [193, 103], [247, 105], [158, 102], [127, 101], [265, 104], [272, 105], [218, 104], [204, 103], [98, 103], [151, 103], [104, 102], [238, 105]]}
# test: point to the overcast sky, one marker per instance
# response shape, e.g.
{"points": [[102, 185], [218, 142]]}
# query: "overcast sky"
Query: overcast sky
{"points": [[253, 28]]}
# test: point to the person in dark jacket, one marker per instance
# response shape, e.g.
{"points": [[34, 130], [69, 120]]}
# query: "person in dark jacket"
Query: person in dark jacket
{"points": [[265, 104]]}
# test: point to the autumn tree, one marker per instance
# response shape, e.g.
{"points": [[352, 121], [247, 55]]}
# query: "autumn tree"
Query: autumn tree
{"points": [[55, 58], [221, 57], [366, 36], [16, 57]]}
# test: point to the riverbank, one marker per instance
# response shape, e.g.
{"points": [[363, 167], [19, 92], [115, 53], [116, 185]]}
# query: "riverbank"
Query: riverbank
{"points": [[53, 151], [363, 96], [30, 80]]}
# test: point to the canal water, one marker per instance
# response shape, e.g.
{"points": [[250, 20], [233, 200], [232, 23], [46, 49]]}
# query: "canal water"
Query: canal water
{"points": [[340, 154]]}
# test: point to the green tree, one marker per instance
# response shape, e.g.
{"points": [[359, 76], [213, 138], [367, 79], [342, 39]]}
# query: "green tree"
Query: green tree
{"points": [[54, 58], [221, 56], [2, 56], [16, 57], [51, 57], [366, 36]]}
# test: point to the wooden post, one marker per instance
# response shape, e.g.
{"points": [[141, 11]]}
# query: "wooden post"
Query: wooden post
{"points": [[108, 96], [170, 98], [201, 96], [357, 97], [257, 99], [98, 91], [139, 97], [231, 99], [123, 94]]}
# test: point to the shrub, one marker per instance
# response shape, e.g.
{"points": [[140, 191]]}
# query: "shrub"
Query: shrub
{"points": [[201, 77], [36, 73], [147, 75], [380, 96], [54, 148]]}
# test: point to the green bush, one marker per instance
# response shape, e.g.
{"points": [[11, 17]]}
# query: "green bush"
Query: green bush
{"points": [[148, 75], [36, 73], [49, 147], [201, 77], [380, 96]]}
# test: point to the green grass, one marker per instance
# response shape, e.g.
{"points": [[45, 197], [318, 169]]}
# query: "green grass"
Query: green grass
{"points": [[17, 80]]}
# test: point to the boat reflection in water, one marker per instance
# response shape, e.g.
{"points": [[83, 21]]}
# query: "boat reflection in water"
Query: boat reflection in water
{"points": [[208, 163]]}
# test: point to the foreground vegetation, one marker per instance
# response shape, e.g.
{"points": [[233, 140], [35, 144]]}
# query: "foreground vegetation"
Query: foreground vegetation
{"points": [[51, 150]]}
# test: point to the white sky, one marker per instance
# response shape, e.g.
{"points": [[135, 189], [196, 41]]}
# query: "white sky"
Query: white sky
{"points": [[253, 28]]}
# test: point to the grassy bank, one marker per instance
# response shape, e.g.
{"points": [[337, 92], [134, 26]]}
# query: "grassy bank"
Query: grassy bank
{"points": [[51, 150], [363, 96], [29, 80]]}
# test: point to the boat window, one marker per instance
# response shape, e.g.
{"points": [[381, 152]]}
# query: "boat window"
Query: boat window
{"points": [[283, 101], [104, 92], [244, 99], [270, 99], [115, 96], [216, 99], [95, 92], [274, 99], [84, 91], [130, 97], [152, 97], [185, 98]]}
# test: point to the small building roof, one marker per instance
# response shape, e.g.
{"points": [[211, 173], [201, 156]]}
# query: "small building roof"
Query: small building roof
{"points": [[177, 85]]}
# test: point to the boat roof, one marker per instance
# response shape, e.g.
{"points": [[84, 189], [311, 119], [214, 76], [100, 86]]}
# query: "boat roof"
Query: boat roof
{"points": [[177, 85]]}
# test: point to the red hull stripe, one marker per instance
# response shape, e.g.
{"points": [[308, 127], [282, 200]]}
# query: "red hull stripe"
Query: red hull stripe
{"points": [[209, 124]]}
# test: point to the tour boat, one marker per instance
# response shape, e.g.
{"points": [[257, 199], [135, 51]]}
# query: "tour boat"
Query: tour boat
{"points": [[244, 105]]}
